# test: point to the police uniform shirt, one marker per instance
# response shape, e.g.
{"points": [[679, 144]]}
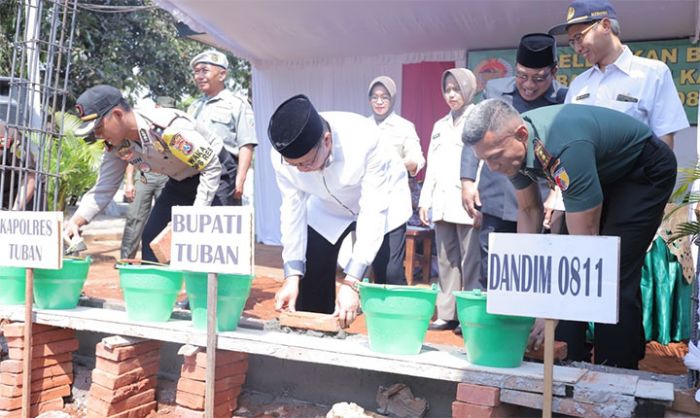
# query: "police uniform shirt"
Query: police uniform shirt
{"points": [[171, 143], [588, 146], [360, 182], [442, 188], [400, 134], [640, 87], [496, 192], [228, 116]]}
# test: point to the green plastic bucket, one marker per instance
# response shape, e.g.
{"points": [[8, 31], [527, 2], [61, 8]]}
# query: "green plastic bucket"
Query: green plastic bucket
{"points": [[149, 292], [60, 289], [397, 316], [12, 285], [491, 340], [233, 291]]}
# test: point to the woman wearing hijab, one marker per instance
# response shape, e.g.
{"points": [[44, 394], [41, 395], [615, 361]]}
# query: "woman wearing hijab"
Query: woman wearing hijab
{"points": [[456, 239], [396, 131]]}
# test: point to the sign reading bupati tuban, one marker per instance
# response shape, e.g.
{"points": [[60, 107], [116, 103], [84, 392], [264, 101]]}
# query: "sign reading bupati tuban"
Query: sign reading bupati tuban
{"points": [[682, 57], [212, 239], [570, 277], [31, 239]]}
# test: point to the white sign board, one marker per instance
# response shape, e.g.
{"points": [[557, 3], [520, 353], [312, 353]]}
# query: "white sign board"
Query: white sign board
{"points": [[31, 239], [212, 239], [570, 277]]}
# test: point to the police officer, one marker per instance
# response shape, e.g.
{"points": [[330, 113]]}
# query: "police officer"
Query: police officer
{"points": [[224, 113], [334, 178], [615, 176], [641, 87], [157, 140], [533, 86]]}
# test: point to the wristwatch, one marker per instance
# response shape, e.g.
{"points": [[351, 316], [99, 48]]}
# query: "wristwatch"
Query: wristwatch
{"points": [[354, 284]]}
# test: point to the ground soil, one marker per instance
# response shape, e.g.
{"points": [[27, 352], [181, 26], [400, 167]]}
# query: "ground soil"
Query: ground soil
{"points": [[103, 283]]}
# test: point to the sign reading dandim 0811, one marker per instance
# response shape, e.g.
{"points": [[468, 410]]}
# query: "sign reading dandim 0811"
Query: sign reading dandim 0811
{"points": [[682, 57], [570, 277]]}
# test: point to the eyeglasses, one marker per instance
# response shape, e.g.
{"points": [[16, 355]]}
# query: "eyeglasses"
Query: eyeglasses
{"points": [[375, 99], [305, 165], [578, 38], [537, 79]]}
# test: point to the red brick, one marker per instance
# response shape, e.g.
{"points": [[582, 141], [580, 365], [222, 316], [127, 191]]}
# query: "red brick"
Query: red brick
{"points": [[16, 329], [119, 394], [11, 403], [226, 397], [127, 351], [560, 352], [52, 405], [112, 381], [15, 366], [161, 245], [138, 412], [121, 367], [199, 373], [45, 350], [468, 410], [310, 320], [198, 387], [222, 410], [37, 385], [37, 374], [223, 358], [100, 408], [59, 334], [478, 395]]}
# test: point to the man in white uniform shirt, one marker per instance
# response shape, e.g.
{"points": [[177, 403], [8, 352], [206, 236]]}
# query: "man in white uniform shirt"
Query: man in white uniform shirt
{"points": [[335, 178], [641, 87]]}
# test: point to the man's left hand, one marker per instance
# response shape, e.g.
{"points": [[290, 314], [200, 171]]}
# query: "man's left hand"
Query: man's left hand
{"points": [[536, 338], [238, 192], [346, 304]]}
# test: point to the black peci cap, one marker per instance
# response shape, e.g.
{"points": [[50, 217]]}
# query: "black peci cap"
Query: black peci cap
{"points": [[537, 50], [295, 127]]}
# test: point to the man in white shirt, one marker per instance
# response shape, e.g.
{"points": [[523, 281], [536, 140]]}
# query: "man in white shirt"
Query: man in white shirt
{"points": [[334, 178], [619, 80]]}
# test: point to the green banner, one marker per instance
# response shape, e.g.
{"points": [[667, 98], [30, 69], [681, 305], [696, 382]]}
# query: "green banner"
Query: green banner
{"points": [[680, 55]]}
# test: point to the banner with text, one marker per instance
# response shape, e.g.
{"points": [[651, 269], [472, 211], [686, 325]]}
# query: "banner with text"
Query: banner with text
{"points": [[31, 239], [682, 57], [569, 277], [217, 239]]}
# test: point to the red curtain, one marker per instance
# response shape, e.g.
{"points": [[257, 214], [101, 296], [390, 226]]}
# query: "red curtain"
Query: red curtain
{"points": [[421, 98]]}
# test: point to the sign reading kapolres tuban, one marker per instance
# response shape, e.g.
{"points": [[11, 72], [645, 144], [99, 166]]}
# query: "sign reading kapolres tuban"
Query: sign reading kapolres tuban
{"points": [[31, 239], [569, 277], [212, 239]]}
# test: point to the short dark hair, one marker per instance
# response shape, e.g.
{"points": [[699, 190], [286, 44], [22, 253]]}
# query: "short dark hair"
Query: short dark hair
{"points": [[491, 115]]}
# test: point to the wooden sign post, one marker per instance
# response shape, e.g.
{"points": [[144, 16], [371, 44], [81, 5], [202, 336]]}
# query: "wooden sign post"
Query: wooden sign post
{"points": [[212, 240], [30, 240], [568, 277]]}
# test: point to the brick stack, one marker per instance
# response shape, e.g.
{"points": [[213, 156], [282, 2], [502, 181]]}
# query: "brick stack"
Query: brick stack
{"points": [[124, 380], [480, 401], [52, 369], [231, 367]]}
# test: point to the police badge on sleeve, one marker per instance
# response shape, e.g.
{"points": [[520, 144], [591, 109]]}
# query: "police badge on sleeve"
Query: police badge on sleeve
{"points": [[188, 147]]}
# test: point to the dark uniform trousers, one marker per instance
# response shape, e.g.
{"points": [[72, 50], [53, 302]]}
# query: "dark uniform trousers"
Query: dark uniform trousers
{"points": [[632, 209], [317, 287], [183, 193], [489, 224]]}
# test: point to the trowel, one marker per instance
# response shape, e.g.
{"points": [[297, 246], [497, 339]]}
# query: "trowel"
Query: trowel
{"points": [[73, 246]]}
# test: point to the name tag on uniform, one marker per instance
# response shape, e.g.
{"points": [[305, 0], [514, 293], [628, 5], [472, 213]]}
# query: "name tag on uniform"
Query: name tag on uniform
{"points": [[626, 98], [582, 96]]}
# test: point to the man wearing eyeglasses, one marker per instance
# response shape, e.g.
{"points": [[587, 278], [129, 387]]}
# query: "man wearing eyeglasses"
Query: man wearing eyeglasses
{"points": [[224, 113], [533, 86], [158, 140], [619, 80], [334, 178]]}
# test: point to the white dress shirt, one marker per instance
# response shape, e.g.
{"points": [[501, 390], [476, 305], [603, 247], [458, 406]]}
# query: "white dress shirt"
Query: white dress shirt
{"points": [[360, 182], [400, 134]]}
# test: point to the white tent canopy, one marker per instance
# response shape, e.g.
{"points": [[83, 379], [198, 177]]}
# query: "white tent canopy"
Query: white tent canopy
{"points": [[330, 50]]}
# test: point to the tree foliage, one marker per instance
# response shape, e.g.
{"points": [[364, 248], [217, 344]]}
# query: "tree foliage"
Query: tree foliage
{"points": [[135, 50]]}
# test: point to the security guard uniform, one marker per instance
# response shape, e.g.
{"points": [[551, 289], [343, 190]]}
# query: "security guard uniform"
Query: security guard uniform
{"points": [[170, 143], [596, 155]]}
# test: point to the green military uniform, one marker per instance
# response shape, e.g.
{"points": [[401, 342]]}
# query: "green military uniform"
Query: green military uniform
{"points": [[600, 156]]}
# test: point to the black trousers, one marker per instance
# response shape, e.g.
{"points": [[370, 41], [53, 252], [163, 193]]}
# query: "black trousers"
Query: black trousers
{"points": [[632, 209], [183, 193], [489, 224], [317, 287]]}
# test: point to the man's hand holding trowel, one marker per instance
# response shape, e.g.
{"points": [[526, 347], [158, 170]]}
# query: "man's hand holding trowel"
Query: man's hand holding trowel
{"points": [[72, 241]]}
